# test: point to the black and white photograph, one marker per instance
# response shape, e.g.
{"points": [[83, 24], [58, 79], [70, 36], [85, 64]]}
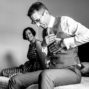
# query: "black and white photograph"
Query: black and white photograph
{"points": [[44, 44]]}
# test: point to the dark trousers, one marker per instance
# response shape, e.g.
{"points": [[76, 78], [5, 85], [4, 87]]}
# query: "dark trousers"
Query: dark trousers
{"points": [[46, 79]]}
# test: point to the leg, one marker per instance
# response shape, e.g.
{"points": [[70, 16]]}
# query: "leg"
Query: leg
{"points": [[22, 81], [57, 77], [7, 72]]}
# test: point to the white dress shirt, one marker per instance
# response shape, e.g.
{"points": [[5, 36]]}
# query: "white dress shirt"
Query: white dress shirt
{"points": [[78, 32]]}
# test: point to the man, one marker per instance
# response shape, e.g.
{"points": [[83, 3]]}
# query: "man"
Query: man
{"points": [[61, 36]]}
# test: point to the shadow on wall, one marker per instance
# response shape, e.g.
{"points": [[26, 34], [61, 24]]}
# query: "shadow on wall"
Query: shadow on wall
{"points": [[8, 60], [13, 54]]}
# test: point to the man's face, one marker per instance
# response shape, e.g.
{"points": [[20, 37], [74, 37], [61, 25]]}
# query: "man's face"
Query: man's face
{"points": [[40, 18]]}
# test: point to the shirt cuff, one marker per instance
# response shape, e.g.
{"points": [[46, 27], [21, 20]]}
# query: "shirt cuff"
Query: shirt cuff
{"points": [[69, 42], [45, 50]]}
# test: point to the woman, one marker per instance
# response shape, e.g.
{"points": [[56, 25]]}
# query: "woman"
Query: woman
{"points": [[34, 62], [33, 55]]}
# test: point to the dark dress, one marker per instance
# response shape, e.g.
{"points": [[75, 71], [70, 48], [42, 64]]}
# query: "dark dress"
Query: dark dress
{"points": [[34, 63]]}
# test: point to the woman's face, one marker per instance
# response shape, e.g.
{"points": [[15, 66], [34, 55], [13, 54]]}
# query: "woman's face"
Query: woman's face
{"points": [[29, 35]]}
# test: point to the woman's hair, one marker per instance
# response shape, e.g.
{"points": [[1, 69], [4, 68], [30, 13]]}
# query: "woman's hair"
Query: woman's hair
{"points": [[35, 7], [30, 29]]}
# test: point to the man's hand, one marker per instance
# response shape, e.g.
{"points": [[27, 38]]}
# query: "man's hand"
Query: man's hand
{"points": [[50, 39], [85, 69]]}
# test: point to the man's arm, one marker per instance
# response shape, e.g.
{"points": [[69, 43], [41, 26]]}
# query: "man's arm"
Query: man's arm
{"points": [[79, 33]]}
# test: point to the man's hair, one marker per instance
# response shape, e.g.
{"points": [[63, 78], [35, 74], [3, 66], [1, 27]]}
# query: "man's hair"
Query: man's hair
{"points": [[30, 29], [35, 7]]}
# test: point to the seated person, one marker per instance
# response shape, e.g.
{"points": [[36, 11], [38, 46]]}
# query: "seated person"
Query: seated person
{"points": [[63, 36], [34, 60]]}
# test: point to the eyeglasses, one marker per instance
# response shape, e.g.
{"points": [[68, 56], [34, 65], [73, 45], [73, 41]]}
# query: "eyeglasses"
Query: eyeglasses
{"points": [[35, 21], [39, 19]]}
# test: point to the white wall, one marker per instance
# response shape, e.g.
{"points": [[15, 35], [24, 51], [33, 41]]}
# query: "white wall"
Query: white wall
{"points": [[13, 20]]}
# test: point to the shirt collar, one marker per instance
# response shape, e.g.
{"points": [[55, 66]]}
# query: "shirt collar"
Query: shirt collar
{"points": [[51, 23]]}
